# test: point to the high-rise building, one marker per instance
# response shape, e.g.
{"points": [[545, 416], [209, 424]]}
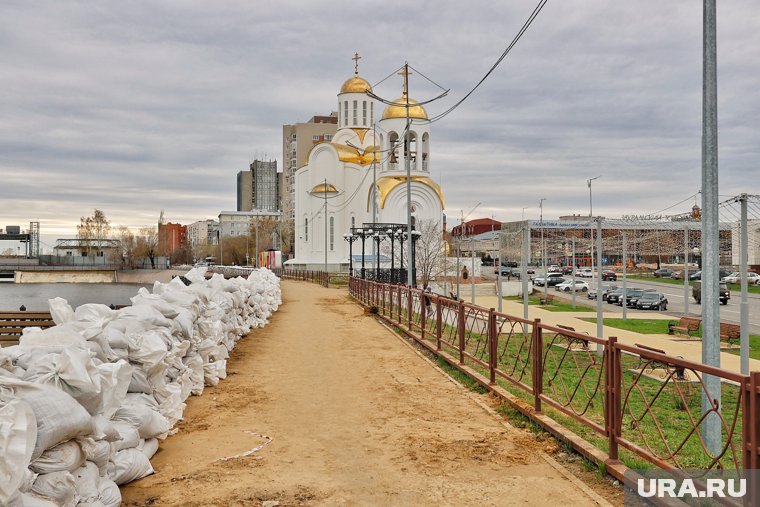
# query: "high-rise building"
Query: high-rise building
{"points": [[171, 237], [202, 232], [297, 141], [259, 187]]}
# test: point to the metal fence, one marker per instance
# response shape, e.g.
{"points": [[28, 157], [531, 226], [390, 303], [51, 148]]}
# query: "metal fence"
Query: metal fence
{"points": [[319, 277], [626, 406]]}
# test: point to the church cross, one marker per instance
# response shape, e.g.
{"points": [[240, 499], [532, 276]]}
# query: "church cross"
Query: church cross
{"points": [[356, 59], [405, 72]]}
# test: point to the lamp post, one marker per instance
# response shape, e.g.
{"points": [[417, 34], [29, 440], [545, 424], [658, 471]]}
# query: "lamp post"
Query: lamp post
{"points": [[378, 238], [590, 216], [364, 234], [392, 237], [350, 238], [415, 236], [401, 235]]}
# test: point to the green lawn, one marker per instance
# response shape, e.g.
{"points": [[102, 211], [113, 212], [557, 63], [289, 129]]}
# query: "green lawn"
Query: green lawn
{"points": [[556, 305], [643, 326], [735, 288]]}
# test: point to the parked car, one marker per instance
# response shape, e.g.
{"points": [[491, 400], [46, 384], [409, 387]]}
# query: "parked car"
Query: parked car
{"points": [[616, 294], [662, 273], [503, 271], [567, 270], [605, 290], [555, 269], [585, 273], [677, 275], [610, 276], [736, 277], [697, 275], [652, 301], [724, 295], [550, 280], [631, 297], [567, 286]]}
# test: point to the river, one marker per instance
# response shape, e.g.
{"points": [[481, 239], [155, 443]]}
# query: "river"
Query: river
{"points": [[35, 295]]}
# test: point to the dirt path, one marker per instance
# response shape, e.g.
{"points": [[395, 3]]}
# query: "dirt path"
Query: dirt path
{"points": [[355, 417]]}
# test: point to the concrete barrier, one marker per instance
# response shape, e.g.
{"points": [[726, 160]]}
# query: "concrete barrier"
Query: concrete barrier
{"points": [[67, 276]]}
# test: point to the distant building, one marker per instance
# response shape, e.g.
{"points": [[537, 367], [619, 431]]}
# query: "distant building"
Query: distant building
{"points": [[171, 237], [477, 226], [202, 232], [259, 187], [297, 141], [95, 247], [238, 223]]}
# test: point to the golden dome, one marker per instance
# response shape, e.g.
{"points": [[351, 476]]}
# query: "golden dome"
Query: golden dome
{"points": [[356, 84], [324, 189], [399, 111]]}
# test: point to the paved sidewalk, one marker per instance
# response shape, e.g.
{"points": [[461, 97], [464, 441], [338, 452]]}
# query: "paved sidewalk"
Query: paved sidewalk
{"points": [[673, 345]]}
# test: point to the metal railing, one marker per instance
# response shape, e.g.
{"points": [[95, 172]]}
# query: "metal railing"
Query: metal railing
{"points": [[319, 277], [628, 403]]}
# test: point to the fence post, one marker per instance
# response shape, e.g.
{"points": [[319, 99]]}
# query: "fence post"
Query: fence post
{"points": [[538, 364], [751, 435], [423, 314], [409, 308], [398, 317], [492, 345], [438, 323], [613, 386], [460, 329]]}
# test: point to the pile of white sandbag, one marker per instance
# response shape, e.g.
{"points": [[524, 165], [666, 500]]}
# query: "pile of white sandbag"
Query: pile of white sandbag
{"points": [[83, 404]]}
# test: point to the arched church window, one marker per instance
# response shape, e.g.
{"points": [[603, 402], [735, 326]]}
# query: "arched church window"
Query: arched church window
{"points": [[425, 150], [345, 112], [306, 229], [356, 112], [353, 222], [411, 142], [371, 112], [393, 140], [364, 113]]}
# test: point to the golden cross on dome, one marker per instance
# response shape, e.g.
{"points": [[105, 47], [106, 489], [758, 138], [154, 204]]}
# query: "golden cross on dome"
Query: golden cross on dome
{"points": [[405, 72], [356, 59]]}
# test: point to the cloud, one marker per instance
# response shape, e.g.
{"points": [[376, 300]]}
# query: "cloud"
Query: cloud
{"points": [[142, 106]]}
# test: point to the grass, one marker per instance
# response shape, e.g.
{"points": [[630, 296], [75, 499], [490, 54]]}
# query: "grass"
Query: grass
{"points": [[643, 326], [733, 287], [554, 306]]}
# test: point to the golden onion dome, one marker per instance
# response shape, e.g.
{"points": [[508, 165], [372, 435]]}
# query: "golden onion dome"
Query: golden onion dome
{"points": [[356, 84], [399, 111]]}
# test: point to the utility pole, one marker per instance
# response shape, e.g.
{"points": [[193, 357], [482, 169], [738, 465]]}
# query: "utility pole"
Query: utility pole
{"points": [[599, 315], [407, 163], [524, 273], [625, 273], [711, 395], [573, 272], [686, 271], [325, 189], [543, 247], [744, 306], [591, 222]]}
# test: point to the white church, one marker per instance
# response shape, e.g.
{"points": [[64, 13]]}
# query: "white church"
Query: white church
{"points": [[364, 162]]}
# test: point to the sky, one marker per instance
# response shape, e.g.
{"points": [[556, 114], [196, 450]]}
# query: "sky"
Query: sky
{"points": [[137, 107]]}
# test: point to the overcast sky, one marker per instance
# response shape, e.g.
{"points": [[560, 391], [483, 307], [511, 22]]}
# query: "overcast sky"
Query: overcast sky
{"points": [[136, 107]]}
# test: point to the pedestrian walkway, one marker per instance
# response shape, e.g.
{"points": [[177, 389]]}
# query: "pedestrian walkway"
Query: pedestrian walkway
{"points": [[326, 406], [680, 346]]}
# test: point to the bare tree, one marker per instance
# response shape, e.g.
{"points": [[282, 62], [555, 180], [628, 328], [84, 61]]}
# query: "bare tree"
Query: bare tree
{"points": [[125, 255], [430, 250], [93, 229], [147, 244]]}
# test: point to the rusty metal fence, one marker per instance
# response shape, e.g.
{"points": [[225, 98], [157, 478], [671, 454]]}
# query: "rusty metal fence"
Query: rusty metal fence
{"points": [[626, 406]]}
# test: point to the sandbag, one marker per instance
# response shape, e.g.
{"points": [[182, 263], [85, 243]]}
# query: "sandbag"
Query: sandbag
{"points": [[128, 465], [18, 434], [128, 436], [66, 456], [110, 494], [57, 486], [148, 447], [59, 416], [87, 479], [60, 310]]}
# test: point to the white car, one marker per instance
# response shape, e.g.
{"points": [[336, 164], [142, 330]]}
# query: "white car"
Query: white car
{"points": [[584, 273], [567, 286], [736, 277]]}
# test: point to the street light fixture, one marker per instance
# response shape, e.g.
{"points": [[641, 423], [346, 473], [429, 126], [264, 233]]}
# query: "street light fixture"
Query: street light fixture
{"points": [[350, 238], [590, 220]]}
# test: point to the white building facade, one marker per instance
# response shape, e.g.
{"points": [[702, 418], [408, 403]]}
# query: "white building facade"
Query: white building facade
{"points": [[202, 232], [360, 177]]}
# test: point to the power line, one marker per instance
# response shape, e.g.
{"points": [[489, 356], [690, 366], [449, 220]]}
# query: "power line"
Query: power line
{"points": [[504, 54]]}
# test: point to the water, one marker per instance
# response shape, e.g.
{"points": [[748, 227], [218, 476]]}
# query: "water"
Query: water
{"points": [[35, 295]]}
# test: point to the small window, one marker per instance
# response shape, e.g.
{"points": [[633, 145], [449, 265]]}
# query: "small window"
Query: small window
{"points": [[315, 138], [306, 229], [293, 137], [345, 113], [353, 222], [364, 113], [328, 137], [356, 112]]}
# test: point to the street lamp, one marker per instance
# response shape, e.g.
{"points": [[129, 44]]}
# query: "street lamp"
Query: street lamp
{"points": [[415, 236], [392, 236], [350, 238], [543, 247], [697, 259], [378, 238]]}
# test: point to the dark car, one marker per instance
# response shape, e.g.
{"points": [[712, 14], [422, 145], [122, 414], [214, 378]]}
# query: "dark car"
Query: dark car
{"points": [[609, 276], [722, 273], [554, 280], [567, 270], [652, 301], [503, 270], [615, 295], [631, 297], [724, 295], [662, 273]]}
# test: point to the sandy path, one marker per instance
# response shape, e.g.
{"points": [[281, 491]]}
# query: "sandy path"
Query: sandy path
{"points": [[355, 417]]}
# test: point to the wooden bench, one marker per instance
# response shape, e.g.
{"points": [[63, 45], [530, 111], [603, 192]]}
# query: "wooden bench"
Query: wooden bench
{"points": [[678, 371], [12, 324], [729, 332], [573, 338], [686, 325], [546, 300]]}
